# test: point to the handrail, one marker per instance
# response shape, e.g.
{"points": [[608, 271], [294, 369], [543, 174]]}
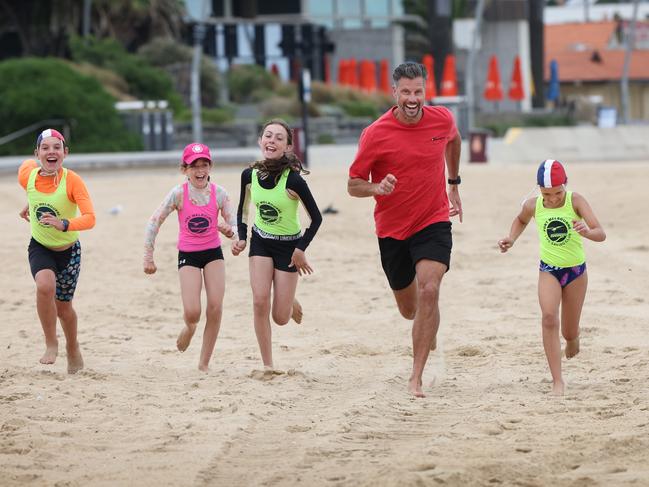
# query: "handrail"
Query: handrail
{"points": [[19, 133]]}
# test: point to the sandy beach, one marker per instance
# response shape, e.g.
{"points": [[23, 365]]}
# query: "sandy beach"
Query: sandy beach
{"points": [[338, 414]]}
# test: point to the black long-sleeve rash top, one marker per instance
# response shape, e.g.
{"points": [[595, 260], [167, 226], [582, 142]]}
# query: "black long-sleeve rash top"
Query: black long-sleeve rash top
{"points": [[295, 183]]}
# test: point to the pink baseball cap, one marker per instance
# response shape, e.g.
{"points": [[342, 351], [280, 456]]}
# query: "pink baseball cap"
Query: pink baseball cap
{"points": [[551, 174], [196, 151], [49, 133]]}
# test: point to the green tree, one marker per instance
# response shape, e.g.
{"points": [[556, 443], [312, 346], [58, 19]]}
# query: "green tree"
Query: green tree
{"points": [[44, 28], [145, 81], [35, 89]]}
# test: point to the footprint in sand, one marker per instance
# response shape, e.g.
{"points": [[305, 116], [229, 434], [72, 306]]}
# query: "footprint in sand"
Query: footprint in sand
{"points": [[210, 409], [469, 351], [92, 374], [265, 374]]}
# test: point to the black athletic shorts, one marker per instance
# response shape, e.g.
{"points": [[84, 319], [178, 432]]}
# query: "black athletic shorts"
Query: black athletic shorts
{"points": [[399, 257], [66, 265], [200, 258], [281, 251]]}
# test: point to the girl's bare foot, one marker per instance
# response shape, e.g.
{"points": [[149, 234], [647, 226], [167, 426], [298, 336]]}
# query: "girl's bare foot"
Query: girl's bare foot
{"points": [[414, 387], [558, 388], [49, 357], [572, 347], [297, 311], [75, 360], [185, 337]]}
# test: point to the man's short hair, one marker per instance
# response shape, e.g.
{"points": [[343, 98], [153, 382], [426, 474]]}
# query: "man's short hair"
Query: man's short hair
{"points": [[410, 70]]}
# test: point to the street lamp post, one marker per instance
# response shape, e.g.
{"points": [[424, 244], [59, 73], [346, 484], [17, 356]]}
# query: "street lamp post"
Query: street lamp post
{"points": [[624, 81], [195, 92], [470, 65], [198, 11]]}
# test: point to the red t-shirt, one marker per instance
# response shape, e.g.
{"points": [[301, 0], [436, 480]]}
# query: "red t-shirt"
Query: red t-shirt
{"points": [[415, 155]]}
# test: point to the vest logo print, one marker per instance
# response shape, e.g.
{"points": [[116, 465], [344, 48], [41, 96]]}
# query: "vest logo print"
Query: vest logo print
{"points": [[43, 209], [269, 213], [198, 224], [557, 230]]}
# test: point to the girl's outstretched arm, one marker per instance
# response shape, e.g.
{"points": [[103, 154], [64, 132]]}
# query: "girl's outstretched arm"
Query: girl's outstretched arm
{"points": [[589, 227], [170, 203], [518, 225]]}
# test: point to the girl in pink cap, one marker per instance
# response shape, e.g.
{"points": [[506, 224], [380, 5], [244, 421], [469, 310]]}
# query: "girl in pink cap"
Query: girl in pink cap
{"points": [[562, 219], [200, 258]]}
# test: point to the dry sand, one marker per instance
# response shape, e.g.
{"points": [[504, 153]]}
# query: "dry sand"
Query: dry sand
{"points": [[142, 414]]}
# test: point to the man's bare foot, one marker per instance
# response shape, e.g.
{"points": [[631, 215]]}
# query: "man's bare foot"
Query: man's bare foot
{"points": [[203, 368], [433, 344], [414, 387], [75, 360], [558, 388], [572, 347], [49, 357], [185, 337], [297, 311]]}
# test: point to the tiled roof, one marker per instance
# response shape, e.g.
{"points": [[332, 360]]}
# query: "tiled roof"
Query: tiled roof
{"points": [[591, 52]]}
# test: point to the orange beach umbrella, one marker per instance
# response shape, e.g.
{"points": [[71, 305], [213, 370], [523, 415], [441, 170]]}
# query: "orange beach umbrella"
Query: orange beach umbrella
{"points": [[449, 78], [429, 64], [516, 91], [493, 91]]}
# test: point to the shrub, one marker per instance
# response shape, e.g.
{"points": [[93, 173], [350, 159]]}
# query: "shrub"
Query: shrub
{"points": [[354, 102], [144, 81], [216, 116], [325, 139], [274, 106], [176, 59], [111, 81], [499, 123], [360, 109], [245, 80], [45, 88]]}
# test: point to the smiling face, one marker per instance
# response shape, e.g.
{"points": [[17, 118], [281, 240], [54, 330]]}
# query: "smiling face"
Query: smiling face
{"points": [[553, 197], [51, 153], [274, 141], [410, 96], [198, 172]]}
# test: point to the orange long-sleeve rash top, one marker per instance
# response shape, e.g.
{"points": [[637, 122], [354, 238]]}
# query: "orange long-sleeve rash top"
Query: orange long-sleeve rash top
{"points": [[75, 189]]}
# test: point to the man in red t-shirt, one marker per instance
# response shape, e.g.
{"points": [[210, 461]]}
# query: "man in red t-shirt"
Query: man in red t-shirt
{"points": [[401, 161]]}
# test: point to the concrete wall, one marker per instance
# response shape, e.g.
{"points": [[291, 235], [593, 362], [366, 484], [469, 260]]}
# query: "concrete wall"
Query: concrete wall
{"points": [[571, 144]]}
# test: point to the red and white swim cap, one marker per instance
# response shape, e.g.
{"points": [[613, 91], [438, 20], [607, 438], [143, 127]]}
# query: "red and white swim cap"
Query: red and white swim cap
{"points": [[551, 174], [49, 133]]}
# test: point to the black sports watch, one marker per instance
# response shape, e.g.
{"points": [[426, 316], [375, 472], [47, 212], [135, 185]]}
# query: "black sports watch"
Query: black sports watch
{"points": [[457, 180], [66, 224]]}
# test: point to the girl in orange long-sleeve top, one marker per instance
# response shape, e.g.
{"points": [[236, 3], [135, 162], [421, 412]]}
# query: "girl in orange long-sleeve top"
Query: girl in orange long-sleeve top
{"points": [[55, 195]]}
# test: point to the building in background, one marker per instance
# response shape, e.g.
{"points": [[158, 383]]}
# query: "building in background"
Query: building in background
{"points": [[590, 59], [508, 30], [266, 32]]}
